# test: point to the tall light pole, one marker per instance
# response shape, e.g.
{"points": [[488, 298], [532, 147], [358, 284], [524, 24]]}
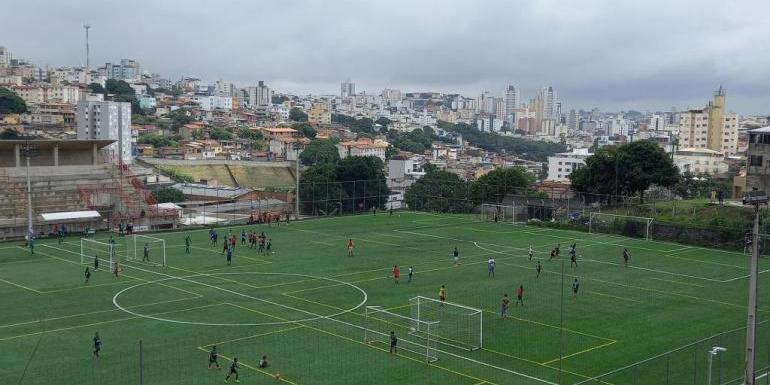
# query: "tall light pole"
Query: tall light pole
{"points": [[29, 150], [88, 53], [712, 353], [297, 147], [755, 198]]}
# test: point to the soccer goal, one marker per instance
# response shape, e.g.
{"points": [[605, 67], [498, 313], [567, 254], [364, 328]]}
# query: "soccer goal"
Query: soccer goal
{"points": [[413, 335], [156, 250], [461, 326], [498, 213], [91, 249], [627, 225]]}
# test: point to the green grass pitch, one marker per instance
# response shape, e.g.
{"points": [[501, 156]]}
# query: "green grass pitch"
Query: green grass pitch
{"points": [[301, 306]]}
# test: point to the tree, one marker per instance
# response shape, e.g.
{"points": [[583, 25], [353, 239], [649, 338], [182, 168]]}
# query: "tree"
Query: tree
{"points": [[416, 141], [364, 181], [528, 149], [297, 115], [156, 140], [220, 134], [246, 133], [320, 194], [383, 121], [96, 88], [278, 99], [168, 194], [493, 186], [179, 118], [306, 129], [10, 134], [440, 191], [118, 87], [319, 152], [363, 125], [625, 170], [10, 103]]}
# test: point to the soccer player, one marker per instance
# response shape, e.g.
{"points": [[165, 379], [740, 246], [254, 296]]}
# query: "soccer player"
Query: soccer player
{"points": [[97, 345], [411, 273], [269, 245], [213, 355], [390, 212], [87, 273], [491, 267], [558, 249], [233, 371], [530, 252], [187, 242], [32, 244], [350, 246], [229, 256], [60, 236], [504, 305], [213, 237], [243, 237], [520, 295], [232, 241], [456, 255], [225, 245], [263, 362], [572, 258], [538, 267], [261, 244], [553, 254], [575, 287], [396, 273], [393, 342], [146, 255], [626, 256], [442, 295], [112, 246], [116, 270], [96, 262]]}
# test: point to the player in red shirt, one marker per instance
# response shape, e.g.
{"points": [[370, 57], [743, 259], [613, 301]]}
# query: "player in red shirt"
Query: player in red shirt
{"points": [[396, 273], [520, 295], [350, 246]]}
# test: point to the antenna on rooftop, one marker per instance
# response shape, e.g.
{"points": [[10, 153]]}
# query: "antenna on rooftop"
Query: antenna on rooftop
{"points": [[87, 27]]}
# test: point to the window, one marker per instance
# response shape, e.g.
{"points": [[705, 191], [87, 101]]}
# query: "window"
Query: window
{"points": [[755, 160]]}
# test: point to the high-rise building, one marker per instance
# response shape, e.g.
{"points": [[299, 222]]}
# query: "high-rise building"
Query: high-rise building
{"points": [[128, 70], [347, 89], [657, 123], [512, 101], [572, 120], [390, 96], [259, 97], [320, 113], [107, 120], [711, 127], [5, 57]]}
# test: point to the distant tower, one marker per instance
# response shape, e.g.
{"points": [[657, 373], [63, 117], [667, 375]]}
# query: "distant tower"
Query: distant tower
{"points": [[88, 67]]}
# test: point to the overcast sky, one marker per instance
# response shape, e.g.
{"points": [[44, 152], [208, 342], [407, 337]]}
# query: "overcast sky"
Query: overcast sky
{"points": [[614, 54]]}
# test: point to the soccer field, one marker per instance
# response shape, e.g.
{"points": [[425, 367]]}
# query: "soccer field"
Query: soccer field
{"points": [[304, 304]]}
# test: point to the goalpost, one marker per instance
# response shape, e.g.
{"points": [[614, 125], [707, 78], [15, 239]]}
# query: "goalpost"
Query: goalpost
{"points": [[498, 213], [90, 249], [627, 225], [461, 326], [156, 249], [413, 335]]}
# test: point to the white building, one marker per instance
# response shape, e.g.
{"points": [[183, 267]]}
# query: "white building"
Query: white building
{"points": [[711, 127], [146, 102], [210, 103], [489, 124], [259, 97], [347, 89], [362, 147], [5, 57], [657, 123], [402, 173], [107, 120], [38, 94], [512, 102], [700, 161], [561, 165]]}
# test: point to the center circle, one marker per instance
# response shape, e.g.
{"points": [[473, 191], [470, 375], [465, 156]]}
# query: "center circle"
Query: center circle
{"points": [[187, 278]]}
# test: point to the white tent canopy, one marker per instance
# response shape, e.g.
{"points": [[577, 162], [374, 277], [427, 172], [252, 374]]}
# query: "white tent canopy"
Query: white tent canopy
{"points": [[70, 215]]}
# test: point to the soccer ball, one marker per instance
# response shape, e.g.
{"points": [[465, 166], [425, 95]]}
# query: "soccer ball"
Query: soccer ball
{"points": [[277, 376]]}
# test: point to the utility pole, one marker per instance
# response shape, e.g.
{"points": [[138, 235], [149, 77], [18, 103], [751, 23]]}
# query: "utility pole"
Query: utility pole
{"points": [[755, 198], [297, 147]]}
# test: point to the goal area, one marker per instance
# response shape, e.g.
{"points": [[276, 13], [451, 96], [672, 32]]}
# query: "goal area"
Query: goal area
{"points": [[627, 225], [155, 247], [414, 336], [460, 326], [498, 213]]}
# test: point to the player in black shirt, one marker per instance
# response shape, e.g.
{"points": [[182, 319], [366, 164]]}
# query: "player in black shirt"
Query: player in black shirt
{"points": [[393, 342], [97, 345], [233, 370], [213, 357]]}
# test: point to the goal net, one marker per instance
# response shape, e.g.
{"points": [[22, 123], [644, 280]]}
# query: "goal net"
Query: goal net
{"points": [[627, 225], [461, 326], [107, 253], [498, 213], [413, 335], [155, 249]]}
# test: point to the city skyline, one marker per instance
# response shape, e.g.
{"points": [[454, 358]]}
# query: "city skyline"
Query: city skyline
{"points": [[647, 57]]}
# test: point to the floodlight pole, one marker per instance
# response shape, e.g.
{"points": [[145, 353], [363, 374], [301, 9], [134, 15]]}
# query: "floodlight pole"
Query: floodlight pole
{"points": [[28, 150], [752, 316], [296, 174]]}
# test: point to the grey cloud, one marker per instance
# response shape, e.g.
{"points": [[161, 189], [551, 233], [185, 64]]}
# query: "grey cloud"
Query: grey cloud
{"points": [[613, 54]]}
